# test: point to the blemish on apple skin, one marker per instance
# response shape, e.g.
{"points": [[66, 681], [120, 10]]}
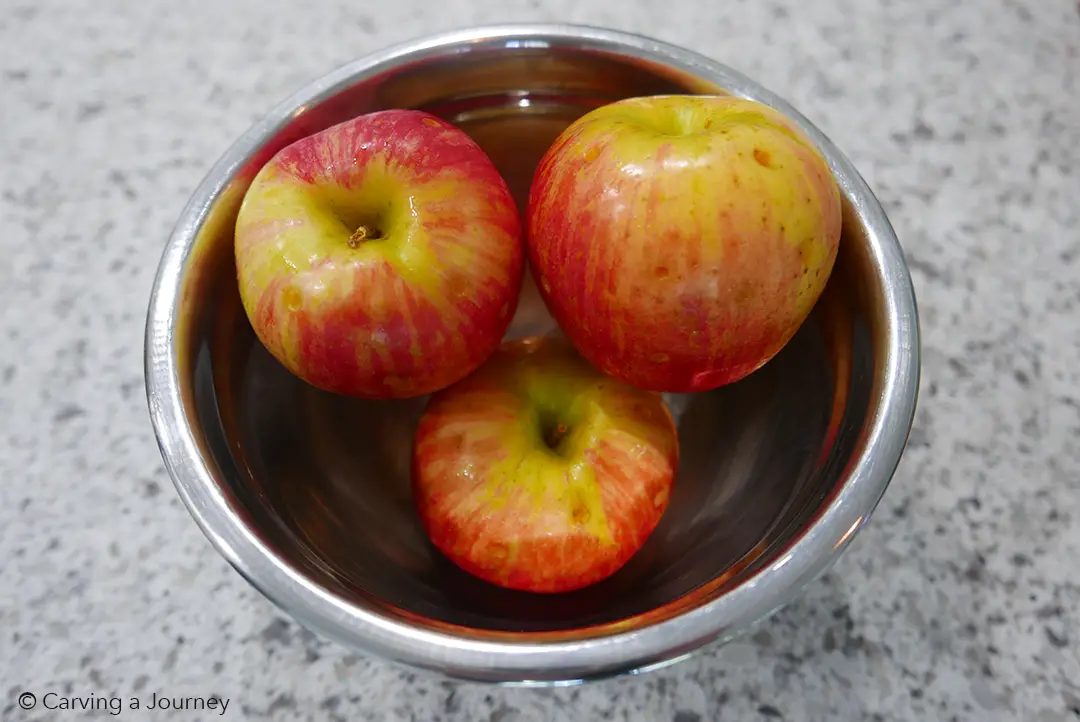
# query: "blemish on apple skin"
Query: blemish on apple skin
{"points": [[661, 272], [292, 299], [762, 157], [546, 284], [499, 553], [580, 515], [659, 358]]}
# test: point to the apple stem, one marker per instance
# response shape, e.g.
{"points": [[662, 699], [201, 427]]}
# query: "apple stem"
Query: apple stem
{"points": [[361, 234], [555, 435]]}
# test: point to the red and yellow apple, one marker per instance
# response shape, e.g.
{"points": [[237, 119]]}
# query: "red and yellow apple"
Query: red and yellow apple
{"points": [[539, 473], [681, 241], [381, 257]]}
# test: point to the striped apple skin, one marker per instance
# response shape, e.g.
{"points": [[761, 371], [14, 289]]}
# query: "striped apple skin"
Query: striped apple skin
{"points": [[510, 507], [681, 241], [420, 302]]}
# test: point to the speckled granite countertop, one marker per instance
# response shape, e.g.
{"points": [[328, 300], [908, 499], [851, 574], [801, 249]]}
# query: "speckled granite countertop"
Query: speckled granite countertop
{"points": [[959, 602]]}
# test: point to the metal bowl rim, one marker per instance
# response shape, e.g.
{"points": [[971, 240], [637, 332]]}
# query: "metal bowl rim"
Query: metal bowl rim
{"points": [[522, 663]]}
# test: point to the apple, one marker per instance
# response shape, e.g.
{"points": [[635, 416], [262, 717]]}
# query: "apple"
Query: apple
{"points": [[539, 473], [382, 257], [680, 241]]}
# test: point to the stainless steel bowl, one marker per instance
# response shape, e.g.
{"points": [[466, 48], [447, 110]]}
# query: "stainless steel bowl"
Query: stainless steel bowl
{"points": [[307, 495]]}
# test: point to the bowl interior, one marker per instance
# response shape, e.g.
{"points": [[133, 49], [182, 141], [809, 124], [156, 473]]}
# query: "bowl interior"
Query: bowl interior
{"points": [[324, 480]]}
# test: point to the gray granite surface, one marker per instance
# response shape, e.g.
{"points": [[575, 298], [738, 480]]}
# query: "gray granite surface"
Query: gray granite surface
{"points": [[960, 601]]}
